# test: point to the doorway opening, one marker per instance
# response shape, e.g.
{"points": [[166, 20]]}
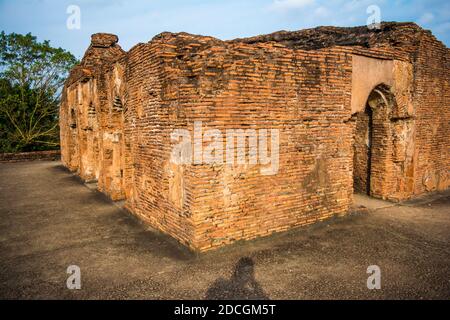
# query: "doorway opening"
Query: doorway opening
{"points": [[362, 159], [373, 144]]}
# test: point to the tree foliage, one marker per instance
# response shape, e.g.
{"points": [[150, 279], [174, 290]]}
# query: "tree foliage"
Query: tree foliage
{"points": [[32, 74]]}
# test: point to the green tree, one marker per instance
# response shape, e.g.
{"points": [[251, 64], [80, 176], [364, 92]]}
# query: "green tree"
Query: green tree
{"points": [[32, 74]]}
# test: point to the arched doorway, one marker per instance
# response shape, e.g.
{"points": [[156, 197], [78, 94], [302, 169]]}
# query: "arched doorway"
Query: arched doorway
{"points": [[373, 143], [363, 151]]}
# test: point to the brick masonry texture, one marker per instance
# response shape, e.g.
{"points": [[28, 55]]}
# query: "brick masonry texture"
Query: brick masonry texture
{"points": [[30, 156], [357, 110]]}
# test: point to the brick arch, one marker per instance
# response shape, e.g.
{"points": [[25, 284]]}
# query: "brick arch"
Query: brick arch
{"points": [[383, 91]]}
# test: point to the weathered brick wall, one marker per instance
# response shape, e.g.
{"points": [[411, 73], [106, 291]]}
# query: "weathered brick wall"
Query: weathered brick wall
{"points": [[126, 106], [112, 143], [302, 94], [432, 102], [30, 156], [91, 135], [421, 119], [157, 191], [237, 86]]}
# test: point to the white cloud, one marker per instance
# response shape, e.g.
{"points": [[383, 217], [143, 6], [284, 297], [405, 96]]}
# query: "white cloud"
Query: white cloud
{"points": [[426, 18], [283, 5]]}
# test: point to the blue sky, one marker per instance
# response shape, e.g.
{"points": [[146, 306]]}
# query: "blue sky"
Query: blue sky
{"points": [[137, 21]]}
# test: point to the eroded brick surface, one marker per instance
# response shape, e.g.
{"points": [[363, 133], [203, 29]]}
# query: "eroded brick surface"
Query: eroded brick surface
{"points": [[120, 108]]}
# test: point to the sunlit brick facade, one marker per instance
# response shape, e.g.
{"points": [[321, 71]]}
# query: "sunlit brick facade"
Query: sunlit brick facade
{"points": [[357, 110]]}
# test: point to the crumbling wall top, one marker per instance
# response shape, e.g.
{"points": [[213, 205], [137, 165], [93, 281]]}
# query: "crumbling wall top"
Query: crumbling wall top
{"points": [[104, 40], [394, 34]]}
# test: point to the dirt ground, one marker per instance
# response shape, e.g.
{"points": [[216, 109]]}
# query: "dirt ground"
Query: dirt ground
{"points": [[50, 220]]}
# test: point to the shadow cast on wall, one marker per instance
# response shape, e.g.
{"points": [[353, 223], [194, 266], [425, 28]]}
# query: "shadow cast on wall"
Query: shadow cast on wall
{"points": [[241, 286]]}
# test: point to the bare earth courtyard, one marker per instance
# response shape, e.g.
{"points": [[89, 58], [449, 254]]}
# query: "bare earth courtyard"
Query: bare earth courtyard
{"points": [[49, 220]]}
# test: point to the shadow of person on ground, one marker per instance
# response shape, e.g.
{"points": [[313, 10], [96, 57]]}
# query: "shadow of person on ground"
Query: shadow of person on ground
{"points": [[241, 286]]}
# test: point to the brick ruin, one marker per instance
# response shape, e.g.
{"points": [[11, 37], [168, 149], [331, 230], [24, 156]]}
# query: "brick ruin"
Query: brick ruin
{"points": [[358, 110]]}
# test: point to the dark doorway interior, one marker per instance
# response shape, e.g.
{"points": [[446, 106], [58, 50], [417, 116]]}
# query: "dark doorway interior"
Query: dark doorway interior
{"points": [[362, 162]]}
